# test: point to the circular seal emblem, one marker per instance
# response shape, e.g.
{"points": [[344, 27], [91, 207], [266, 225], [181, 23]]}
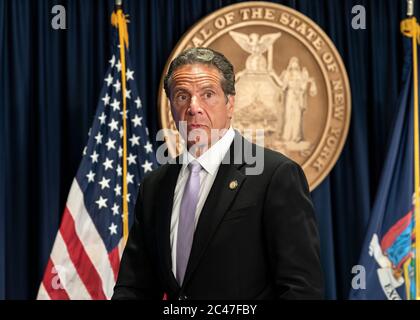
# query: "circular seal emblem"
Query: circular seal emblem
{"points": [[290, 81]]}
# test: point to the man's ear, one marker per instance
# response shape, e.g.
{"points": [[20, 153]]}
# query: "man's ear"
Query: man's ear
{"points": [[230, 105]]}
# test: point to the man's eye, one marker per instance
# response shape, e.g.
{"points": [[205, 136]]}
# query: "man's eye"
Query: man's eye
{"points": [[182, 97], [209, 95]]}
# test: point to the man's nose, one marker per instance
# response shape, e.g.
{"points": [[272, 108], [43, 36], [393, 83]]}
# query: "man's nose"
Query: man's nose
{"points": [[195, 106]]}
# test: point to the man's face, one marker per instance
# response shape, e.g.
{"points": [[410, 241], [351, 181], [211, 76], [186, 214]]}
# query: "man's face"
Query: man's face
{"points": [[198, 99]]}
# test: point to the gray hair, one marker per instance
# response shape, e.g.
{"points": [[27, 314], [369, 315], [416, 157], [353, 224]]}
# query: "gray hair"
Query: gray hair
{"points": [[208, 57]]}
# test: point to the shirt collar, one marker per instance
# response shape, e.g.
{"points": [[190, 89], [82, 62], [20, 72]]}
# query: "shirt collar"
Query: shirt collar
{"points": [[211, 159]]}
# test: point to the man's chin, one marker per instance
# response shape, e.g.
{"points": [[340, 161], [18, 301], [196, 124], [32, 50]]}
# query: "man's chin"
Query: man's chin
{"points": [[197, 148], [198, 135], [200, 131], [198, 143]]}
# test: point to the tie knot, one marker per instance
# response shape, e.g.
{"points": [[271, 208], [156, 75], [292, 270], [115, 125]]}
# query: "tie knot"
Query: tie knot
{"points": [[195, 167]]}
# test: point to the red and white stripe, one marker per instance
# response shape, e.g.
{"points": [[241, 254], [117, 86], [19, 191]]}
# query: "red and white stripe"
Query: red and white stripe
{"points": [[80, 266]]}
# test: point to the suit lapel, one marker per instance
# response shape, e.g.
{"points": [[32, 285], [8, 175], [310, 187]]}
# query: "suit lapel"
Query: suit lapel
{"points": [[217, 204], [163, 211]]}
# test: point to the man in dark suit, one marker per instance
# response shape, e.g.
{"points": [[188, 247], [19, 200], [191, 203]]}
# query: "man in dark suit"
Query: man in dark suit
{"points": [[219, 224]]}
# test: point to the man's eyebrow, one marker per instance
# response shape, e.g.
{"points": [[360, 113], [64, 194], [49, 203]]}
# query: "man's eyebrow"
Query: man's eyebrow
{"points": [[208, 86], [180, 89]]}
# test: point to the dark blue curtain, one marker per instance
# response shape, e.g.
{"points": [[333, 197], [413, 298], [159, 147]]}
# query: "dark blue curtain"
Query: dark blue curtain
{"points": [[49, 86]]}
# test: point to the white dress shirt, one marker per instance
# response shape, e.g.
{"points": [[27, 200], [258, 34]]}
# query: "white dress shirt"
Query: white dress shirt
{"points": [[210, 162]]}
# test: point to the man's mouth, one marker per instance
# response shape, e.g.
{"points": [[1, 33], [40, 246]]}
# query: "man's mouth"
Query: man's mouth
{"points": [[196, 126]]}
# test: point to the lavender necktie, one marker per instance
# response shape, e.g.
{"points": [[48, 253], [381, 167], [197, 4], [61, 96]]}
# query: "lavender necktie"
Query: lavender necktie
{"points": [[186, 220]]}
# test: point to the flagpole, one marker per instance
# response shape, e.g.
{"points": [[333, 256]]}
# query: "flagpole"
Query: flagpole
{"points": [[415, 34], [121, 24]]}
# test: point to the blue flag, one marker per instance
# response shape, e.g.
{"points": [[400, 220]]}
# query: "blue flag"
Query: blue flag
{"points": [[388, 251]]}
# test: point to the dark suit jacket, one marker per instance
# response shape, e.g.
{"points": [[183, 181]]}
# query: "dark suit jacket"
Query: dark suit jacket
{"points": [[257, 241]]}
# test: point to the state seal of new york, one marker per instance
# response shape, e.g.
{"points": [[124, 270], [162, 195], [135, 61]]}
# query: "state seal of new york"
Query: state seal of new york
{"points": [[290, 81]]}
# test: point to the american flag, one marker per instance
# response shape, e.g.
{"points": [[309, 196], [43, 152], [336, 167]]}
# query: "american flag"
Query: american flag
{"points": [[86, 254]]}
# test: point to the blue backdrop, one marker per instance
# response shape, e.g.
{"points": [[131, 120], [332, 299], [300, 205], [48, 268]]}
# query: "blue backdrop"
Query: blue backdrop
{"points": [[49, 86]]}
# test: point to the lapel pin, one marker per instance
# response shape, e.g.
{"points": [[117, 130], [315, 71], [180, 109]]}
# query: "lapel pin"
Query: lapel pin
{"points": [[233, 184]]}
